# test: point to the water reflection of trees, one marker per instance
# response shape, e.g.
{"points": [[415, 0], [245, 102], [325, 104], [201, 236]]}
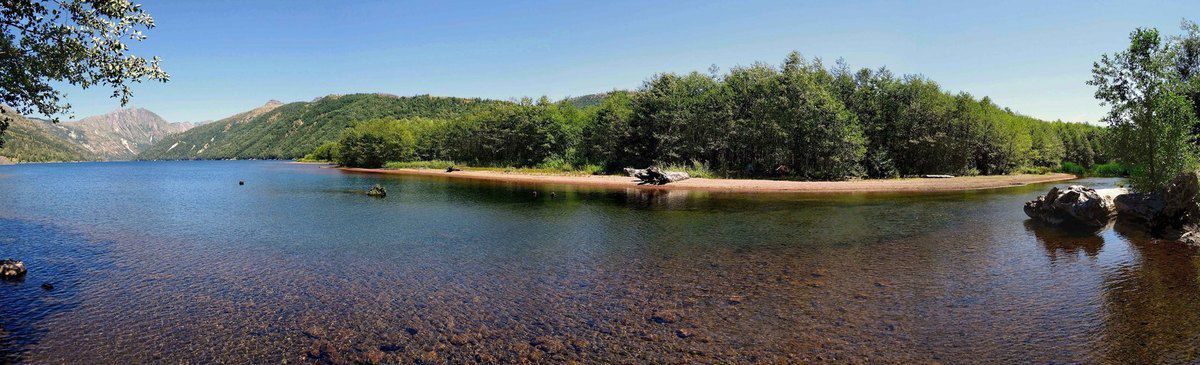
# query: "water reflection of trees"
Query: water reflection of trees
{"points": [[1068, 242], [657, 198], [1153, 303]]}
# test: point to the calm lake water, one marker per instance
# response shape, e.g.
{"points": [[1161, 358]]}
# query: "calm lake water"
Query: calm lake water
{"points": [[175, 262]]}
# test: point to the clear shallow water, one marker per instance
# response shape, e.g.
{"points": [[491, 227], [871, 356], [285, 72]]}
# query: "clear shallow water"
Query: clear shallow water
{"points": [[174, 262]]}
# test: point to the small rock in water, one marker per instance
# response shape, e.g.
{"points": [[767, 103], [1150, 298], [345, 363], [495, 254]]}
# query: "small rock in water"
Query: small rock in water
{"points": [[665, 316], [735, 299], [315, 332], [47, 286], [684, 333], [410, 330], [548, 344], [11, 269], [391, 348], [377, 191], [241, 182]]}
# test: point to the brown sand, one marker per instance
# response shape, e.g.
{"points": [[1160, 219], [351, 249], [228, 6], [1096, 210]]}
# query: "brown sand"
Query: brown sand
{"points": [[746, 185]]}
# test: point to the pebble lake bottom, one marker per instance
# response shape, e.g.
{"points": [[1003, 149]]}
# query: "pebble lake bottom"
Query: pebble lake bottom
{"points": [[177, 262]]}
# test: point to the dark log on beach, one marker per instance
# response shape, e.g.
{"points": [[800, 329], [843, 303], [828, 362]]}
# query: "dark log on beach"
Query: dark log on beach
{"points": [[11, 269], [1076, 205], [452, 169], [377, 191], [654, 176]]}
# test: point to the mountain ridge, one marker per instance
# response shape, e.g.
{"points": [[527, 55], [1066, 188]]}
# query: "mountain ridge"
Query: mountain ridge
{"points": [[278, 130]]}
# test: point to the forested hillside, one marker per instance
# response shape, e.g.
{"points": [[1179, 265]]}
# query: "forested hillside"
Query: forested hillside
{"points": [[29, 140], [799, 120], [282, 131]]}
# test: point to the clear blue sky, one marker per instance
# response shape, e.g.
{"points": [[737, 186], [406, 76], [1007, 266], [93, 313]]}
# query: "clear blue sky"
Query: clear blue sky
{"points": [[225, 57]]}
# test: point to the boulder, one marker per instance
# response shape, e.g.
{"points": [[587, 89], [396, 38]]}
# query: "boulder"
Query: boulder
{"points": [[377, 191], [1139, 207], [1076, 205], [11, 269], [654, 176], [1180, 217]]}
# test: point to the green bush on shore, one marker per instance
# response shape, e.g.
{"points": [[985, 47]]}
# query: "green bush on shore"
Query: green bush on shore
{"points": [[1111, 169]]}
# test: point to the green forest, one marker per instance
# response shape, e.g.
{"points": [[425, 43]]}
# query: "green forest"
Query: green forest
{"points": [[295, 129], [802, 119], [32, 141]]}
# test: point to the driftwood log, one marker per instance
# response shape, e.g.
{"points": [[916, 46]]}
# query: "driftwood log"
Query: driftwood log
{"points": [[655, 176]]}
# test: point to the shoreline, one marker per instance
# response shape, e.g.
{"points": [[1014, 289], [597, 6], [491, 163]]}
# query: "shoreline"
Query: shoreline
{"points": [[902, 185]]}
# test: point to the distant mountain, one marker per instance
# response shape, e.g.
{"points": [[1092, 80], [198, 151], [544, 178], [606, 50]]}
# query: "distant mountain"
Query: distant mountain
{"points": [[284, 131], [35, 140], [119, 135]]}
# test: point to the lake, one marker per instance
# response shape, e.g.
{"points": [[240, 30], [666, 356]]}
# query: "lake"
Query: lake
{"points": [[176, 262]]}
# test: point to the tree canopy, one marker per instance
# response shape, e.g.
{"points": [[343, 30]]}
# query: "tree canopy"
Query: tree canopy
{"points": [[798, 120], [1152, 89]]}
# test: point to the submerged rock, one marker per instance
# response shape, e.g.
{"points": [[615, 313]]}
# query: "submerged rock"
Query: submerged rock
{"points": [[1076, 205], [654, 176], [11, 269], [377, 191]]}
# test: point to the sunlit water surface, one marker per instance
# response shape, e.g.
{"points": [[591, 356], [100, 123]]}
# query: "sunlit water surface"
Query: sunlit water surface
{"points": [[175, 262]]}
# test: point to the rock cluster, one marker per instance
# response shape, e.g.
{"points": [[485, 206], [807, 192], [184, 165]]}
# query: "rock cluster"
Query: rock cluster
{"points": [[11, 269], [1076, 205], [1173, 213], [655, 176]]}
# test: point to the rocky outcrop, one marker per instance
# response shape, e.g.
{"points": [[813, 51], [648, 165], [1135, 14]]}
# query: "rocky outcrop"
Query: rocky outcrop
{"points": [[654, 176], [1172, 214], [377, 191], [121, 134], [11, 269], [1076, 205], [1180, 216], [1139, 207]]}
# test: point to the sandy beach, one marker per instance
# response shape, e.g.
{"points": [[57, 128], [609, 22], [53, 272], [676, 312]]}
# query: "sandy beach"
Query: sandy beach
{"points": [[745, 185]]}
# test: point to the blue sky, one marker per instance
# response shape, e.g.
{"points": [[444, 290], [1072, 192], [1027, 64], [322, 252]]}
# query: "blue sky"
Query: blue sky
{"points": [[225, 57]]}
